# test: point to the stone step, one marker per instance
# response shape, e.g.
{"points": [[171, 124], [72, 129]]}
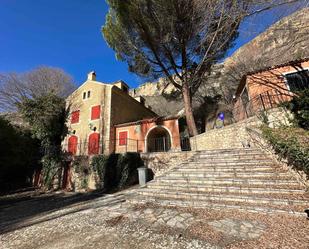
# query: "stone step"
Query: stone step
{"points": [[252, 199], [221, 206], [229, 150], [236, 151], [230, 156], [210, 175], [230, 163], [233, 181], [224, 189], [199, 168]]}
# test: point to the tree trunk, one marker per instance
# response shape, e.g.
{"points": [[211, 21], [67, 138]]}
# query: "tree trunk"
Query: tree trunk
{"points": [[188, 110]]}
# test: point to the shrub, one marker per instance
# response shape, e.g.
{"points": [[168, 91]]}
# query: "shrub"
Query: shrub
{"points": [[116, 170], [127, 169], [289, 145], [19, 156], [299, 106]]}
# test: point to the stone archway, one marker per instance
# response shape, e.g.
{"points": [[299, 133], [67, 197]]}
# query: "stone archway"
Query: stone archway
{"points": [[158, 139]]}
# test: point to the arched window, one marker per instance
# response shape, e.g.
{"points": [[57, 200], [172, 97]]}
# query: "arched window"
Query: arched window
{"points": [[94, 144], [72, 145]]}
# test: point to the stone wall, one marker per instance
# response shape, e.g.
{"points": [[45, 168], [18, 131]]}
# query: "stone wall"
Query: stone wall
{"points": [[236, 135], [161, 162]]}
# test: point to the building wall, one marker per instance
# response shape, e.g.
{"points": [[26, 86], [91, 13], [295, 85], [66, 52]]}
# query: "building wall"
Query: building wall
{"points": [[137, 134], [98, 96], [272, 80], [125, 109], [266, 89]]}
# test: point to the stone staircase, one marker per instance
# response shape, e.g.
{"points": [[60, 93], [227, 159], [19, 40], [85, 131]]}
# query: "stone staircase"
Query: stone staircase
{"points": [[245, 179]]}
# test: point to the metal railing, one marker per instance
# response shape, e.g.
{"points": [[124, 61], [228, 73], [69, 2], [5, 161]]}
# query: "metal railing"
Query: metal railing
{"points": [[262, 102], [162, 144]]}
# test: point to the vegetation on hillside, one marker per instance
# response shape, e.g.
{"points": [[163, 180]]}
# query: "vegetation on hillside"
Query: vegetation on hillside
{"points": [[46, 116], [292, 143], [19, 156]]}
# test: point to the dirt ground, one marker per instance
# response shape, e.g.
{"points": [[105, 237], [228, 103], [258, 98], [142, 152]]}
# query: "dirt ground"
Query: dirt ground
{"points": [[31, 219]]}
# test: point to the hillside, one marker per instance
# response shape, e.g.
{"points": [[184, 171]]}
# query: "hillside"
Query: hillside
{"points": [[284, 41]]}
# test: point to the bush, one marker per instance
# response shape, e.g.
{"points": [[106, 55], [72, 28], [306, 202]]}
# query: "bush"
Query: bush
{"points": [[117, 170], [290, 144], [299, 106], [19, 156], [127, 169]]}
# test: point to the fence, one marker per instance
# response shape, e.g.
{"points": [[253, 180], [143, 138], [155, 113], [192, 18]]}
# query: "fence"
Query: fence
{"points": [[262, 102], [162, 144]]}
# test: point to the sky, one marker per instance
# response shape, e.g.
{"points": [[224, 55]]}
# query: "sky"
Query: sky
{"points": [[67, 34]]}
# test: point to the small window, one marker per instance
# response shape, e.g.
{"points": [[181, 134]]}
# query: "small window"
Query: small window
{"points": [[75, 117], [84, 95], [95, 112], [88, 94], [123, 136], [298, 81]]}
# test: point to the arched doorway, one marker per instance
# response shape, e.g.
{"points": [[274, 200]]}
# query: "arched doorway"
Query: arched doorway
{"points": [[158, 140]]}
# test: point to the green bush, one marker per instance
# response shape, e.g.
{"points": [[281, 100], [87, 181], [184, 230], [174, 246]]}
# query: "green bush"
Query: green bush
{"points": [[299, 106], [127, 169], [117, 170], [288, 145], [19, 156]]}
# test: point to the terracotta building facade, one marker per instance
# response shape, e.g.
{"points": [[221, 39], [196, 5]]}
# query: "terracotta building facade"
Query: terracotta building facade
{"points": [[105, 119], [265, 89]]}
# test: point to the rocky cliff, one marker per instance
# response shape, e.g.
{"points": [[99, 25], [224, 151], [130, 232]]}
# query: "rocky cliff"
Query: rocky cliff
{"points": [[286, 40]]}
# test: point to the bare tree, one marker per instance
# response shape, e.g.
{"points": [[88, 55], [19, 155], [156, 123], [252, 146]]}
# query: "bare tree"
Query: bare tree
{"points": [[15, 87]]}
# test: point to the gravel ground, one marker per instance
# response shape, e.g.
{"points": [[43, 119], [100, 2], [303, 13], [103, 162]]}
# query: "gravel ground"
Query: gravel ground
{"points": [[106, 221]]}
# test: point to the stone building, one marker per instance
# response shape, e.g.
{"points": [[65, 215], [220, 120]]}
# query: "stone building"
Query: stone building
{"points": [[102, 117]]}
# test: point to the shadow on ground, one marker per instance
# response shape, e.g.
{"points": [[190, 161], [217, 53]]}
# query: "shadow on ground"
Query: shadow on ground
{"points": [[29, 207]]}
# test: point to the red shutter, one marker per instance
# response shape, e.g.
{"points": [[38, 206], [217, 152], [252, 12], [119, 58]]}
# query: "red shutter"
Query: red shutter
{"points": [[72, 145], [123, 136], [95, 112], [94, 144], [75, 117]]}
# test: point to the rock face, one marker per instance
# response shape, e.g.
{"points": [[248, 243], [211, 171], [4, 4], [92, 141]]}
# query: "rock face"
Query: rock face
{"points": [[285, 41]]}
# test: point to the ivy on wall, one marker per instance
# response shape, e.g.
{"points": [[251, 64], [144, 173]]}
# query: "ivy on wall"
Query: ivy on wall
{"points": [[117, 170]]}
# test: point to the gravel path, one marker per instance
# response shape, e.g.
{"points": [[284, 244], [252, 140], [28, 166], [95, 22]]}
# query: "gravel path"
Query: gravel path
{"points": [[60, 220]]}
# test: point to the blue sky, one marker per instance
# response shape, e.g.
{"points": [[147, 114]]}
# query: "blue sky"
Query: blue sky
{"points": [[67, 34]]}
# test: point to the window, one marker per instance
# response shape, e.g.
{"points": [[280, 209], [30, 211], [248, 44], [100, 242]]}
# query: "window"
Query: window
{"points": [[95, 112], [123, 136], [88, 94], [75, 117], [298, 81], [84, 95]]}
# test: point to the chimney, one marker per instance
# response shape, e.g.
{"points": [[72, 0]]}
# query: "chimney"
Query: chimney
{"points": [[92, 76]]}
